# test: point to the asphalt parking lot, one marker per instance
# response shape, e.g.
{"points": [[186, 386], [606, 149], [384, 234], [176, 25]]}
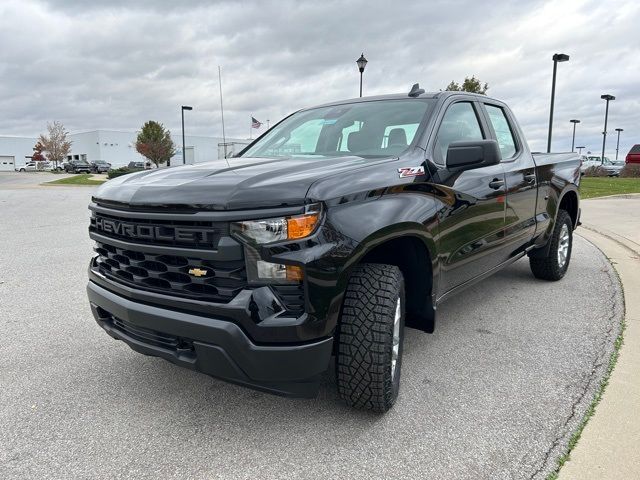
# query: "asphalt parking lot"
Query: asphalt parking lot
{"points": [[494, 393]]}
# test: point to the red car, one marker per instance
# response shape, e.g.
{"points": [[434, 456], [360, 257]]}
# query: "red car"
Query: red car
{"points": [[634, 154]]}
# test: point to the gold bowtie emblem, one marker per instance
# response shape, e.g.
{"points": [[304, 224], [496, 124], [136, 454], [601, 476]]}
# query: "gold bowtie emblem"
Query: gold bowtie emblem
{"points": [[197, 272]]}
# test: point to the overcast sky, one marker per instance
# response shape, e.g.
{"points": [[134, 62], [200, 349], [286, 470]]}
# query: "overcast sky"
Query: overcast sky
{"points": [[107, 64]]}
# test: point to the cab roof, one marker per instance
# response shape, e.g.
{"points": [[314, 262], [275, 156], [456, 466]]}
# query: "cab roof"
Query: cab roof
{"points": [[405, 96]]}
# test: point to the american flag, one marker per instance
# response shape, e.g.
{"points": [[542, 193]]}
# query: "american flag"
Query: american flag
{"points": [[255, 123]]}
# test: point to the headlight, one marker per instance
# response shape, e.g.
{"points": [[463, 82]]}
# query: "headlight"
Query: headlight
{"points": [[260, 271], [278, 229]]}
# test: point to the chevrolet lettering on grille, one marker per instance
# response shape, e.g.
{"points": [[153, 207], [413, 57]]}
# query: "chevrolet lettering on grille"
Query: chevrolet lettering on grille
{"points": [[151, 232]]}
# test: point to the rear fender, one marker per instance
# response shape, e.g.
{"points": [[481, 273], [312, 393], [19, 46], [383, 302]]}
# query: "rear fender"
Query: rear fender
{"points": [[553, 206]]}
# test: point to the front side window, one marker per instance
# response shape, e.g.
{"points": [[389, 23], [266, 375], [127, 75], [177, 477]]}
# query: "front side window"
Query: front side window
{"points": [[366, 129], [501, 126], [459, 124]]}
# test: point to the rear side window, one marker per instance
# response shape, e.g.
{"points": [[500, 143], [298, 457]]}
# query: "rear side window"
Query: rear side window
{"points": [[504, 135], [459, 124]]}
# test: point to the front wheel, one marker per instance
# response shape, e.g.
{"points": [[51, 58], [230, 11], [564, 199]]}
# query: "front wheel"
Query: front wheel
{"points": [[370, 338], [555, 264]]}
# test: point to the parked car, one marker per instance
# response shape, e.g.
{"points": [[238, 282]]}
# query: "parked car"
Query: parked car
{"points": [[634, 154], [259, 272], [136, 165], [612, 168], [35, 167], [77, 166], [585, 163], [100, 166]]}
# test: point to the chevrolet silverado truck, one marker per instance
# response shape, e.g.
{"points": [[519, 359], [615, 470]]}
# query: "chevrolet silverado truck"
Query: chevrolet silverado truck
{"points": [[325, 237]]}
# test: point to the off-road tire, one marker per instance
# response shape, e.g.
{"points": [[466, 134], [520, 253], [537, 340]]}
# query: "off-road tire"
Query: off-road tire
{"points": [[548, 267], [365, 337]]}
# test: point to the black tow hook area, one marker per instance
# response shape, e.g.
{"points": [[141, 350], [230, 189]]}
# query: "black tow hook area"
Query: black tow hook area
{"points": [[116, 327]]}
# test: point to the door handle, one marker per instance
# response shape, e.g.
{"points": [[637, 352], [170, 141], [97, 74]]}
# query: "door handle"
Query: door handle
{"points": [[529, 177], [496, 183]]}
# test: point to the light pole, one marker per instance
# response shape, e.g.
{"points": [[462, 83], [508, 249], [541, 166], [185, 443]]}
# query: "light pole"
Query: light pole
{"points": [[362, 62], [580, 149], [618, 143], [573, 139], [184, 107], [608, 98], [557, 57]]}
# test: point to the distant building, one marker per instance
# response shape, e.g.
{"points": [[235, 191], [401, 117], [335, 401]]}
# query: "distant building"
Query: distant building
{"points": [[115, 147]]}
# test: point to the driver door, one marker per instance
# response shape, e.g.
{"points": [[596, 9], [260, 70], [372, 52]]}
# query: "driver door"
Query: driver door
{"points": [[472, 211]]}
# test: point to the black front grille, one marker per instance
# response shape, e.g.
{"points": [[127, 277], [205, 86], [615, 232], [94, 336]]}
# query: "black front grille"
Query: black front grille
{"points": [[174, 233], [181, 276]]}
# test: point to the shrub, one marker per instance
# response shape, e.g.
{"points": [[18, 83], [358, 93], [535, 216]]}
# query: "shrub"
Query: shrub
{"points": [[630, 170], [117, 172], [596, 171]]}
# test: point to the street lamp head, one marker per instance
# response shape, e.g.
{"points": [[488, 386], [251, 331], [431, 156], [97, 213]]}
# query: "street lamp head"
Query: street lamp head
{"points": [[619, 130], [186, 107], [581, 147], [560, 57], [607, 97], [362, 62], [574, 121]]}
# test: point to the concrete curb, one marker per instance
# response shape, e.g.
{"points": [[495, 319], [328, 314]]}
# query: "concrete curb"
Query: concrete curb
{"points": [[608, 446], [617, 195]]}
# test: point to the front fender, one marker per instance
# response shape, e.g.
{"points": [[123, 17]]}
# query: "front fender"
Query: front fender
{"points": [[373, 223]]}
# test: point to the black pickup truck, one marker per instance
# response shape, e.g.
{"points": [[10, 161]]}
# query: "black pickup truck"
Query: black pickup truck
{"points": [[325, 237]]}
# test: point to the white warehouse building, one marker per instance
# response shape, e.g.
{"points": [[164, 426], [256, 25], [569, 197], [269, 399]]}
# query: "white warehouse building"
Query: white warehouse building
{"points": [[117, 148]]}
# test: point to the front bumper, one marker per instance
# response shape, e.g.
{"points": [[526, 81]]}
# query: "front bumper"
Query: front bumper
{"points": [[216, 347]]}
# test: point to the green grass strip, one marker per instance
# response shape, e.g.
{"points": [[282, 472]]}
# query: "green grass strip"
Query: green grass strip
{"points": [[592, 187], [76, 180]]}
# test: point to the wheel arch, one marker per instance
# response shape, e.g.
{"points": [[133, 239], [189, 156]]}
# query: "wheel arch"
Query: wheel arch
{"points": [[413, 252], [569, 201]]}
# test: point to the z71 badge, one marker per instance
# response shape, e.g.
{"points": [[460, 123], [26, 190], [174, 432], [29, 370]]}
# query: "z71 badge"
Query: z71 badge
{"points": [[411, 171]]}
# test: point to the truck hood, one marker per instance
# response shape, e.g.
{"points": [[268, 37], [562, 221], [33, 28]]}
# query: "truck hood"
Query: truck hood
{"points": [[244, 183]]}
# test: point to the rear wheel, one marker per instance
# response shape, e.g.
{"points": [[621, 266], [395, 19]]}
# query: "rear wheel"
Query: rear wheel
{"points": [[370, 337], [555, 264]]}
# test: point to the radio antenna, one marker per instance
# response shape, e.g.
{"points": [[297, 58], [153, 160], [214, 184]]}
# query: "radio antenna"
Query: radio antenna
{"points": [[224, 138]]}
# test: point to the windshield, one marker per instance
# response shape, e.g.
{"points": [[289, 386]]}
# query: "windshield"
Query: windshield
{"points": [[368, 129]]}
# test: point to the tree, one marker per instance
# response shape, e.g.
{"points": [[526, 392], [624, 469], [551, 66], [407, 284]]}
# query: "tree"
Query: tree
{"points": [[154, 142], [55, 144], [37, 156], [472, 85]]}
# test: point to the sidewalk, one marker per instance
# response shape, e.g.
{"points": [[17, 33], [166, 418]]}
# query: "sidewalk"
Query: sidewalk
{"points": [[609, 447]]}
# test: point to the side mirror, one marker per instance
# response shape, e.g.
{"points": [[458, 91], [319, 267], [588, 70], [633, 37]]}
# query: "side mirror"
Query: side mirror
{"points": [[469, 155]]}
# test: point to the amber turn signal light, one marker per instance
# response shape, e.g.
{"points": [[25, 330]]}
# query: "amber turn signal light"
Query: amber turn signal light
{"points": [[294, 273], [302, 226]]}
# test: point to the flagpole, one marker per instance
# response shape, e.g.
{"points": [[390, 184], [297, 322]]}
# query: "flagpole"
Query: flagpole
{"points": [[224, 138]]}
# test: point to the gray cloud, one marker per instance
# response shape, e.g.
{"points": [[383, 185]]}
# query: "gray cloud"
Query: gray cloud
{"points": [[109, 64]]}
